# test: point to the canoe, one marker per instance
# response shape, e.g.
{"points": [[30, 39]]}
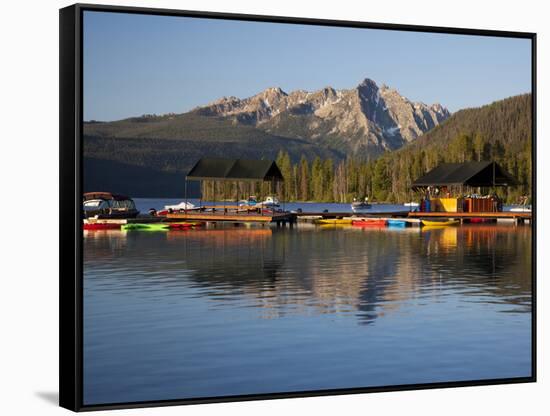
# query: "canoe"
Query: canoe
{"points": [[334, 221], [101, 226], [397, 223], [146, 227], [439, 223], [369, 223]]}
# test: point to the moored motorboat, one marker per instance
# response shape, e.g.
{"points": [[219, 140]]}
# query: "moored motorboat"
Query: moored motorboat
{"points": [[269, 202], [168, 209], [360, 205], [182, 206], [105, 205], [250, 202]]}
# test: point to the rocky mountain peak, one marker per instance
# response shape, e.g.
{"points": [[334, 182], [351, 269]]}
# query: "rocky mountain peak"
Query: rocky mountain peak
{"points": [[365, 119], [274, 91], [367, 83], [327, 91]]}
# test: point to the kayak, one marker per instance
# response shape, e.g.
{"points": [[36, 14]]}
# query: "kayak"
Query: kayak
{"points": [[146, 227], [184, 225], [101, 226], [397, 223], [332, 226], [440, 223], [369, 223], [481, 220], [334, 221]]}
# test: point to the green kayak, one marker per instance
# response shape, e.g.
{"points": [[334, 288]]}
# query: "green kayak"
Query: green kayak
{"points": [[146, 227]]}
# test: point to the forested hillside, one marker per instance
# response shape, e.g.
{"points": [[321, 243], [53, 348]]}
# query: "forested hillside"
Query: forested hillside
{"points": [[112, 150], [500, 131]]}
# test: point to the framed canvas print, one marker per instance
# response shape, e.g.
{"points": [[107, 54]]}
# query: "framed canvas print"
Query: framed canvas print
{"points": [[256, 207]]}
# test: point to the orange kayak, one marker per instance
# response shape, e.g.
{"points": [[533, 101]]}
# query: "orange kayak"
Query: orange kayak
{"points": [[369, 223]]}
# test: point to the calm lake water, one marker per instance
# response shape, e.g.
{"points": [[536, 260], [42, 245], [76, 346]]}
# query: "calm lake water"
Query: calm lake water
{"points": [[235, 310]]}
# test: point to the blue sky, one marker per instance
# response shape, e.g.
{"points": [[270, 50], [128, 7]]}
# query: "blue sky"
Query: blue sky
{"points": [[139, 64]]}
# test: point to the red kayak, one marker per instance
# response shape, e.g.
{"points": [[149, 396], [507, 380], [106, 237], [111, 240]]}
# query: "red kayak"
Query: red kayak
{"points": [[480, 220], [184, 225], [101, 226], [369, 223]]}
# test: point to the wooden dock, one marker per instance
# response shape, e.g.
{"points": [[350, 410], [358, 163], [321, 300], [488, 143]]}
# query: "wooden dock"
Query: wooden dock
{"points": [[330, 215], [288, 218], [283, 218], [518, 217], [503, 214], [122, 221]]}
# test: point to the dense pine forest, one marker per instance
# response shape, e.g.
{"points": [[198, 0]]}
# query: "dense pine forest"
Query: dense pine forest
{"points": [[500, 131]]}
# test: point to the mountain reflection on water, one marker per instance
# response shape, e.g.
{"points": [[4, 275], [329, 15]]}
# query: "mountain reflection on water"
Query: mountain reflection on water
{"points": [[461, 293]]}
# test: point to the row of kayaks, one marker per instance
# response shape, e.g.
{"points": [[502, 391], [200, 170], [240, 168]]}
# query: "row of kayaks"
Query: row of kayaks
{"points": [[383, 222], [157, 226], [379, 223]]}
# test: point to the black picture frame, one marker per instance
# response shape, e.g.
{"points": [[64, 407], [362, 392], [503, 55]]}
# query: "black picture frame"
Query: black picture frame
{"points": [[70, 213]]}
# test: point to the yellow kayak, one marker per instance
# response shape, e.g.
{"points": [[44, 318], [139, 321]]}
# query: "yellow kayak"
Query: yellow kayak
{"points": [[334, 221], [332, 226], [439, 223]]}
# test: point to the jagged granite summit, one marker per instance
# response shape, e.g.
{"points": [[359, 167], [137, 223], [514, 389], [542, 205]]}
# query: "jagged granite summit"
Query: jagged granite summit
{"points": [[364, 120]]}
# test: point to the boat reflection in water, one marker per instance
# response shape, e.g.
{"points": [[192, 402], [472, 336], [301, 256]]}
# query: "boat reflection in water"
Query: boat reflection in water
{"points": [[234, 310]]}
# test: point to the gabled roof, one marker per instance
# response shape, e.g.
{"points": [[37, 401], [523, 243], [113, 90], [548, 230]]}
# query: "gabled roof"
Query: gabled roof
{"points": [[467, 173], [235, 170]]}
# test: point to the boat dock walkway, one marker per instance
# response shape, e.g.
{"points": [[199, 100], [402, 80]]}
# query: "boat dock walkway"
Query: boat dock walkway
{"points": [[518, 217], [290, 218], [279, 218], [282, 218], [330, 215]]}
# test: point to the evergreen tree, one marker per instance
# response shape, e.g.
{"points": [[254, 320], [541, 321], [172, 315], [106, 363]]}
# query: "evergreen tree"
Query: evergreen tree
{"points": [[304, 180], [317, 179]]}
